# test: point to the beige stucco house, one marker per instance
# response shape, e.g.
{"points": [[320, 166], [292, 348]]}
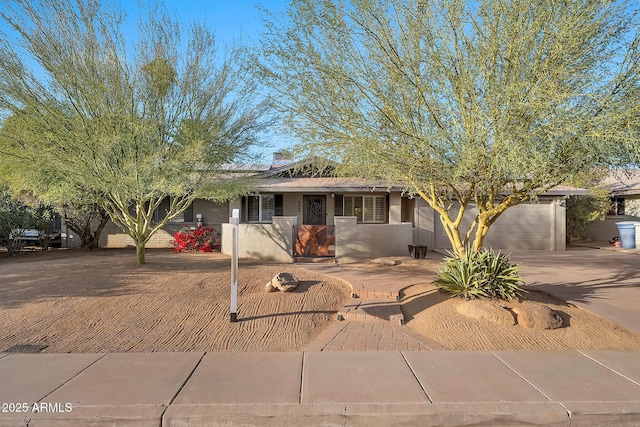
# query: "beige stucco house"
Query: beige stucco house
{"points": [[294, 215]]}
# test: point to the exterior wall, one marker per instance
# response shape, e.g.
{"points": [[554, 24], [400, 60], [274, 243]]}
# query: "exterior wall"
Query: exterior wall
{"points": [[213, 214], [395, 208], [606, 229], [529, 226], [424, 219], [273, 242], [356, 242], [292, 205]]}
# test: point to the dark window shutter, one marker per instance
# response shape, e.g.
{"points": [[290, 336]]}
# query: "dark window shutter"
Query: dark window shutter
{"points": [[188, 213], [339, 205], [279, 210]]}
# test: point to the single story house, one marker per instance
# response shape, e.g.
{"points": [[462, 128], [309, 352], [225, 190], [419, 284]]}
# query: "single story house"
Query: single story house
{"points": [[625, 204], [295, 215]]}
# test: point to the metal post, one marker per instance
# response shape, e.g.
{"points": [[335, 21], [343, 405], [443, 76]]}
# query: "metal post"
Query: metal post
{"points": [[234, 221]]}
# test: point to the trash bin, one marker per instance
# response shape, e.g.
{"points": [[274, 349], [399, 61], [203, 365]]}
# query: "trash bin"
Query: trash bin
{"points": [[627, 232]]}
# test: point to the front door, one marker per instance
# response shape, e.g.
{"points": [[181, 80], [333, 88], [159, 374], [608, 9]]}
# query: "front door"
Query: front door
{"points": [[314, 210]]}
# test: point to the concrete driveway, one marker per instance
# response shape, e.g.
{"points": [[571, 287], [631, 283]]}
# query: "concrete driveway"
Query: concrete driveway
{"points": [[604, 282]]}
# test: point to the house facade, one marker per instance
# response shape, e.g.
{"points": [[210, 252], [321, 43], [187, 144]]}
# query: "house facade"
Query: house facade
{"points": [[297, 215], [294, 215]]}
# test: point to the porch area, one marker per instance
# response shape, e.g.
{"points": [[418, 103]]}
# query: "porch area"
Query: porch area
{"points": [[345, 241]]}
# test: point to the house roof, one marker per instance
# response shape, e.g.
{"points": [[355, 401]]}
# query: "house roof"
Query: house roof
{"points": [[623, 183], [322, 185], [306, 176]]}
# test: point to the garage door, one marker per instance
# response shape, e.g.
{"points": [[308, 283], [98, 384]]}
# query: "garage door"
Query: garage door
{"points": [[526, 226]]}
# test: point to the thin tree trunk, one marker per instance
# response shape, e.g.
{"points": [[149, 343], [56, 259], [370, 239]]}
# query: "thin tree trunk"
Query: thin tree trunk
{"points": [[140, 260]]}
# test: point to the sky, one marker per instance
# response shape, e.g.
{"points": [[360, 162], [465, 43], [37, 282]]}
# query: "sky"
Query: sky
{"points": [[227, 18]]}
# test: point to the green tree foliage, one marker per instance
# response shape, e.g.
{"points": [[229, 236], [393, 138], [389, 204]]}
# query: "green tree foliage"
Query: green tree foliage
{"points": [[127, 121], [584, 210], [18, 214], [28, 170], [486, 104]]}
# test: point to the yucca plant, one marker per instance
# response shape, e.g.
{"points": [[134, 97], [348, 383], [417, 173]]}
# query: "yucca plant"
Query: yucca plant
{"points": [[460, 276], [480, 274], [500, 277]]}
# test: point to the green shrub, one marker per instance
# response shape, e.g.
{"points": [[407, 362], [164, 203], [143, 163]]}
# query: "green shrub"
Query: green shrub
{"points": [[480, 274]]}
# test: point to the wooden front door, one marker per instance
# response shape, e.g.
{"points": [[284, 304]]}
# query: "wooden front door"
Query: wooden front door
{"points": [[315, 211]]}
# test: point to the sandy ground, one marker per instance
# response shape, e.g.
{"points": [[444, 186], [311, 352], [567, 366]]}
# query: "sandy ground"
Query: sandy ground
{"points": [[100, 301], [433, 313]]}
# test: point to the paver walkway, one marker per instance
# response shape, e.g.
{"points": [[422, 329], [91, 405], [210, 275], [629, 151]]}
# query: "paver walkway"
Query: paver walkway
{"points": [[372, 320]]}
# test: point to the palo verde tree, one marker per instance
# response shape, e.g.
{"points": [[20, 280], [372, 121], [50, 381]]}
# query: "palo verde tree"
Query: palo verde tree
{"points": [[23, 166], [131, 118], [465, 103]]}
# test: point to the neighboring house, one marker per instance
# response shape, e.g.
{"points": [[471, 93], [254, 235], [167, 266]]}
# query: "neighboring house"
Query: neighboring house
{"points": [[297, 214], [625, 204]]}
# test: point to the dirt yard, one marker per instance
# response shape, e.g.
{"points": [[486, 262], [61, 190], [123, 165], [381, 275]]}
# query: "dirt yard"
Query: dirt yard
{"points": [[102, 302], [68, 301]]}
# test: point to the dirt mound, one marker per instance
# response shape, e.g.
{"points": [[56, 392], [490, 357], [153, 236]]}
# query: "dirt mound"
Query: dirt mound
{"points": [[436, 315]]}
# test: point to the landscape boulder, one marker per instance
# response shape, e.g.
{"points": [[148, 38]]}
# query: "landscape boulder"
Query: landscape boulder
{"points": [[285, 282], [537, 316], [487, 310]]}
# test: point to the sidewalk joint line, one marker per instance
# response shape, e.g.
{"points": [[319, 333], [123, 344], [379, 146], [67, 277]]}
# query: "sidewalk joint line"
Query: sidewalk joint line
{"points": [[175, 396], [524, 379], [304, 354], [424, 390], [608, 368], [74, 376]]}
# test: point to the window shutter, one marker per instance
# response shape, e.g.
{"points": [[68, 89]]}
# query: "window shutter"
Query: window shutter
{"points": [[338, 205], [348, 206], [279, 200], [188, 213], [368, 208], [380, 210], [253, 208]]}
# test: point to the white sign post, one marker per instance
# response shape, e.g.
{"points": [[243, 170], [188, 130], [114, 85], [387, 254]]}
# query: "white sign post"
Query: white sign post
{"points": [[234, 221]]}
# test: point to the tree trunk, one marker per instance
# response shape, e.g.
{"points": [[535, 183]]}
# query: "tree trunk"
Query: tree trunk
{"points": [[140, 253]]}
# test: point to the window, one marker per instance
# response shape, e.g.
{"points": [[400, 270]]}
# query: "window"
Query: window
{"points": [[617, 206], [368, 209], [161, 212], [264, 207]]}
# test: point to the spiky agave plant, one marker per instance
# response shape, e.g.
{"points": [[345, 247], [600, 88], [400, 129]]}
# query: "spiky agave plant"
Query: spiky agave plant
{"points": [[484, 273]]}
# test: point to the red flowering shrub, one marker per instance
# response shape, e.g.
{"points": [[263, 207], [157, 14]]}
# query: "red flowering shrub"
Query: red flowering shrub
{"points": [[203, 239]]}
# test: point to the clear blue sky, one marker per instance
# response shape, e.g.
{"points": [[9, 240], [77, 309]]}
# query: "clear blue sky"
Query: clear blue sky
{"points": [[227, 18]]}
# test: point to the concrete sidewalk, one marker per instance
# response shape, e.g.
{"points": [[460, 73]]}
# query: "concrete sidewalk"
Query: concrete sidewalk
{"points": [[564, 388]]}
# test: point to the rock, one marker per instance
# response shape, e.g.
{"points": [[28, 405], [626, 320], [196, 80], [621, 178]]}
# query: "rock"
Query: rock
{"points": [[482, 309], [534, 316], [285, 282], [269, 287], [385, 261]]}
